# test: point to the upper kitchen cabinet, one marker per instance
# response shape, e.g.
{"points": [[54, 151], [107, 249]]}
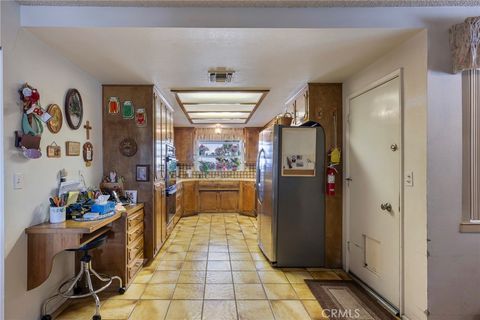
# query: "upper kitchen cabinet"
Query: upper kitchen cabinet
{"points": [[251, 144], [184, 145]]}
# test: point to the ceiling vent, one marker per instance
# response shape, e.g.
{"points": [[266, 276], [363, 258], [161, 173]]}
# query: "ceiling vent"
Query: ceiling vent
{"points": [[220, 75]]}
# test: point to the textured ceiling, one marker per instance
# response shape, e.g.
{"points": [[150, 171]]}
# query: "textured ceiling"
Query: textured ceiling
{"points": [[252, 3], [281, 60]]}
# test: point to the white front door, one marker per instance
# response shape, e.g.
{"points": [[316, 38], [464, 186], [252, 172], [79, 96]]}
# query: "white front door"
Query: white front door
{"points": [[374, 167]]}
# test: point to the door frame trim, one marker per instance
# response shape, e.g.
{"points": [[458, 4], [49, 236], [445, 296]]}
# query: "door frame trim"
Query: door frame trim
{"points": [[398, 73]]}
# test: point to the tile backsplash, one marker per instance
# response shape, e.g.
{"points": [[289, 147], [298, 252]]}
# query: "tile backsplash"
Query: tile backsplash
{"points": [[247, 173]]}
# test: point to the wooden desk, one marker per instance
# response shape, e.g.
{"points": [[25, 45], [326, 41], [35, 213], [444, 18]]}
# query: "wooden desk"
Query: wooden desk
{"points": [[46, 240]]}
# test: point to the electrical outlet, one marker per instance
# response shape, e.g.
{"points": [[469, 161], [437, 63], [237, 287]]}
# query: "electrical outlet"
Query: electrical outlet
{"points": [[409, 179], [18, 181]]}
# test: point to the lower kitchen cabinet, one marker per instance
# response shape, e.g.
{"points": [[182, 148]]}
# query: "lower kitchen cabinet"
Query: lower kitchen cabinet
{"points": [[248, 198], [208, 201], [228, 201], [189, 198]]}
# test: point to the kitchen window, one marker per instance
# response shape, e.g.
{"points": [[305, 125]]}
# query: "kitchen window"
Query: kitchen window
{"points": [[219, 155]]}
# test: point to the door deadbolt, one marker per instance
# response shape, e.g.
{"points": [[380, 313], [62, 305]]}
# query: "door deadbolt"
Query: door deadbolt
{"points": [[394, 147], [386, 207]]}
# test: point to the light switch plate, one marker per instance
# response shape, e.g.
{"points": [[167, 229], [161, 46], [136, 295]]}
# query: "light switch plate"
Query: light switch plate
{"points": [[18, 181], [409, 179]]}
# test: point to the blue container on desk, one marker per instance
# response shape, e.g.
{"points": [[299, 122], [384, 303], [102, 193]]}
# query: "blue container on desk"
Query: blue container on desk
{"points": [[103, 208]]}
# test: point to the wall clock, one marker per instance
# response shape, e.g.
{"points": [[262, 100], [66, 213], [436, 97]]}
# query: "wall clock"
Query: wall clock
{"points": [[73, 109], [56, 121]]}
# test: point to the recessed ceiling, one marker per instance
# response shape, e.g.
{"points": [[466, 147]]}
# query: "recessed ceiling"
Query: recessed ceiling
{"points": [[282, 60], [232, 106]]}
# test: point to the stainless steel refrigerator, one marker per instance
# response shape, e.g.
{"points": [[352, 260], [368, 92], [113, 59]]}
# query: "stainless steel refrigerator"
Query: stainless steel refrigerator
{"points": [[291, 196]]}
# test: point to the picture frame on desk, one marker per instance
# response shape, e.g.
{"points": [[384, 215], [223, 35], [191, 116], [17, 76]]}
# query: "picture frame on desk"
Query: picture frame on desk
{"points": [[142, 173]]}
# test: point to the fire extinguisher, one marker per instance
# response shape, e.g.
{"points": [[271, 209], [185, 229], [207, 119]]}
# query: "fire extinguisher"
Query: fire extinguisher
{"points": [[331, 172]]}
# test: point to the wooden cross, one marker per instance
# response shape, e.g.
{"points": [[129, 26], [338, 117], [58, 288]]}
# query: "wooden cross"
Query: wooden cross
{"points": [[88, 128]]}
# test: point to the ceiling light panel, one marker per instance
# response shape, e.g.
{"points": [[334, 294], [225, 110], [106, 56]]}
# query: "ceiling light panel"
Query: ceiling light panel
{"points": [[220, 97], [224, 121], [219, 115], [219, 106]]}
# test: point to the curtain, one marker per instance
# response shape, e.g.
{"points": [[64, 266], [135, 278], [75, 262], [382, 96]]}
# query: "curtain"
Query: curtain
{"points": [[464, 44]]}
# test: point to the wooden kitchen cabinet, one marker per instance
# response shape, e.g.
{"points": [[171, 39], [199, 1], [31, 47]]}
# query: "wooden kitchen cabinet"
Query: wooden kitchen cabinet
{"points": [[218, 196], [179, 203], [160, 212], [228, 201], [248, 198], [208, 200], [184, 145], [189, 198], [251, 144]]}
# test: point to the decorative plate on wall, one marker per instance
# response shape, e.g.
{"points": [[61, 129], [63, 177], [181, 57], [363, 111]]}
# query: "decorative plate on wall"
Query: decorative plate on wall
{"points": [[128, 147], [56, 121], [73, 109]]}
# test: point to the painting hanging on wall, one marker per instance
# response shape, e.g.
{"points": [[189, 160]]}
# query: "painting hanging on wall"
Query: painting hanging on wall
{"points": [[113, 105], [143, 173], [128, 110], [73, 109], [72, 148], [54, 150], [56, 121], [141, 118]]}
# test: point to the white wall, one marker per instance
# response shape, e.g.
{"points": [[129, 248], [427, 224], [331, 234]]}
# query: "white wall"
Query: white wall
{"points": [[411, 57], [28, 59]]}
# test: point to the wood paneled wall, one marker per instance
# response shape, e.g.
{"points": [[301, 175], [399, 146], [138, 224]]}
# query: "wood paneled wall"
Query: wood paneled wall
{"points": [[325, 100], [115, 129]]}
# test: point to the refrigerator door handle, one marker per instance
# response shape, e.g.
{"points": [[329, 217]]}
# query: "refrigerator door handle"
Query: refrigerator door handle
{"points": [[258, 173]]}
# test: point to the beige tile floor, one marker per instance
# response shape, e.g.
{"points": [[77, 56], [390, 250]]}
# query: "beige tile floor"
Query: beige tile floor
{"points": [[212, 268]]}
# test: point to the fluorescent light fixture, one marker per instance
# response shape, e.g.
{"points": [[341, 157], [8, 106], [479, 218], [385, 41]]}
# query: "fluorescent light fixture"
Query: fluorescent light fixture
{"points": [[219, 107], [213, 121], [219, 115], [231, 106], [218, 97]]}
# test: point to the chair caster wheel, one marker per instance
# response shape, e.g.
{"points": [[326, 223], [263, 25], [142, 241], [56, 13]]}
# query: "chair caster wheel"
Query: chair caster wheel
{"points": [[46, 317], [121, 290], [97, 317]]}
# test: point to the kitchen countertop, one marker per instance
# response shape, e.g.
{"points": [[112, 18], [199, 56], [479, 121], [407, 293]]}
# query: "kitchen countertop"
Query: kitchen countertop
{"points": [[214, 179]]}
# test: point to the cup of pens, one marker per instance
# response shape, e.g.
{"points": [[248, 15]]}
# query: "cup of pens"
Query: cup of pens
{"points": [[57, 210]]}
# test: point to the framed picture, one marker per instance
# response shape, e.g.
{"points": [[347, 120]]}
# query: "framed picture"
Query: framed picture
{"points": [[143, 172], [56, 121], [131, 196], [73, 109], [72, 148], [54, 151]]}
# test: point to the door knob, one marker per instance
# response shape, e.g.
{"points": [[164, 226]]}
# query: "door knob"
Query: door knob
{"points": [[386, 207]]}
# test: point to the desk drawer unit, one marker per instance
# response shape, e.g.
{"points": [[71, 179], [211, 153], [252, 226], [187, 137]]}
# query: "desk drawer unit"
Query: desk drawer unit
{"points": [[134, 249], [122, 254], [134, 220], [135, 233]]}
